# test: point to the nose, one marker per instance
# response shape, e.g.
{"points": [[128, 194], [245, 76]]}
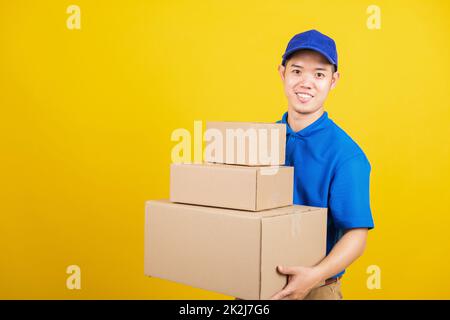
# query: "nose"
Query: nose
{"points": [[305, 82], [306, 85], [303, 87]]}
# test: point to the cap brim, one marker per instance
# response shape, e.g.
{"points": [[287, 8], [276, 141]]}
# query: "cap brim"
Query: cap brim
{"points": [[290, 52]]}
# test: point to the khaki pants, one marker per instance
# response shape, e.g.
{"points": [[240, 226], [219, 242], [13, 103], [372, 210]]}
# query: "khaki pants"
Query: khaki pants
{"points": [[331, 291]]}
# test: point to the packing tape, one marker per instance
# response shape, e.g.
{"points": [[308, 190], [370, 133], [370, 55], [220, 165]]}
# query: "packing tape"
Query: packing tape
{"points": [[269, 171]]}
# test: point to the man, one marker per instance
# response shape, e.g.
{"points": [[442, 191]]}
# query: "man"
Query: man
{"points": [[330, 169]]}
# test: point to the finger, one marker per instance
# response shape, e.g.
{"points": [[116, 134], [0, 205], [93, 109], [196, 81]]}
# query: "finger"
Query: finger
{"points": [[280, 295], [286, 270]]}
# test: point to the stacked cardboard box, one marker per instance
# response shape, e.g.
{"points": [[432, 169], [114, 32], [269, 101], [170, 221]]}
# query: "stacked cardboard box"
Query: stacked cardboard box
{"points": [[230, 221]]}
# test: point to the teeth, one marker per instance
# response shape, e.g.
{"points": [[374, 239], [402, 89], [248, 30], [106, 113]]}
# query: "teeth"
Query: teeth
{"points": [[304, 95]]}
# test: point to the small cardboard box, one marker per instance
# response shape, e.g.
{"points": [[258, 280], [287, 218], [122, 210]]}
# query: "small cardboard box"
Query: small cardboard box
{"points": [[230, 251], [245, 143], [230, 186]]}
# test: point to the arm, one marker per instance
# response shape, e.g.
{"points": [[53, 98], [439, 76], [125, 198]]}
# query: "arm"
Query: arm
{"points": [[349, 207], [302, 279], [349, 248]]}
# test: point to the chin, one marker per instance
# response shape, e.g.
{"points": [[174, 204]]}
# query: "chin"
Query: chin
{"points": [[305, 109]]}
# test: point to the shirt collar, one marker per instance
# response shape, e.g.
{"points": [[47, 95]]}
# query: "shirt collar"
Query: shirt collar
{"points": [[314, 127]]}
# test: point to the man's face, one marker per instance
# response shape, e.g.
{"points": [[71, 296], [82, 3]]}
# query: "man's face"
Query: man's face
{"points": [[307, 79]]}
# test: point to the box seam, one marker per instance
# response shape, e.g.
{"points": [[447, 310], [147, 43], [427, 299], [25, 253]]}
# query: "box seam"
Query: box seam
{"points": [[248, 214]]}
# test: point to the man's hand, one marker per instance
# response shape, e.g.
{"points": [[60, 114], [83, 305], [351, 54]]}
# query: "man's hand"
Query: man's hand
{"points": [[302, 279], [300, 282]]}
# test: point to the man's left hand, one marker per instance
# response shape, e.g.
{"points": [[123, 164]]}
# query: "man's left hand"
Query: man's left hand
{"points": [[300, 282]]}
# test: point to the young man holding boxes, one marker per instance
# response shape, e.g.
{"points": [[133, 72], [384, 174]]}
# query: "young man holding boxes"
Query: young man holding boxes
{"points": [[231, 221], [330, 169]]}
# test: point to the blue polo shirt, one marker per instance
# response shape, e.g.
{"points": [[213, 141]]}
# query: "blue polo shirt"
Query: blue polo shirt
{"points": [[330, 170]]}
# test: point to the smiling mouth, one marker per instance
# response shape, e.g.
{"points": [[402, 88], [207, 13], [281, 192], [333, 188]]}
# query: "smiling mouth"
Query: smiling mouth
{"points": [[304, 97]]}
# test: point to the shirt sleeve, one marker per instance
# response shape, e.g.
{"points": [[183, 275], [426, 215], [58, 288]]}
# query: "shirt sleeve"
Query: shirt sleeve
{"points": [[349, 202]]}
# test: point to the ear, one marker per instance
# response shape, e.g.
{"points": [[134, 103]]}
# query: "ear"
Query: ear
{"points": [[335, 78], [281, 70]]}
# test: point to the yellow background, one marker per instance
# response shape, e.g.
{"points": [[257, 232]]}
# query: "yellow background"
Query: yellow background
{"points": [[86, 119]]}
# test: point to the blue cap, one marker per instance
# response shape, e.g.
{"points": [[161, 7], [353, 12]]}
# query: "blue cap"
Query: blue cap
{"points": [[313, 40]]}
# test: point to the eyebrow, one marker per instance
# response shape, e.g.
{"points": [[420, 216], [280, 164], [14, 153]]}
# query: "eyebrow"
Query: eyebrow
{"points": [[296, 65]]}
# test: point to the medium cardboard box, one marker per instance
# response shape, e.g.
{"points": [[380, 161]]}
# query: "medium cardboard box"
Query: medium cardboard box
{"points": [[245, 143], [230, 186], [230, 251]]}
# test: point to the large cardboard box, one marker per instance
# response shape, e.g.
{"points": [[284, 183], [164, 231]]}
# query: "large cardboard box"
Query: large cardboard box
{"points": [[230, 251], [230, 186], [245, 143]]}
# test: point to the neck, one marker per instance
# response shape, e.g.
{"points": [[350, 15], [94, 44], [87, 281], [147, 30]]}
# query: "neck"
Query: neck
{"points": [[298, 121]]}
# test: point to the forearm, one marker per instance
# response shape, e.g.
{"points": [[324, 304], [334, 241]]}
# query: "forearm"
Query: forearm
{"points": [[350, 247]]}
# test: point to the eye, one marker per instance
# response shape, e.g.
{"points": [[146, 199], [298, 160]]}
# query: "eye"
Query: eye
{"points": [[296, 71], [320, 75]]}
